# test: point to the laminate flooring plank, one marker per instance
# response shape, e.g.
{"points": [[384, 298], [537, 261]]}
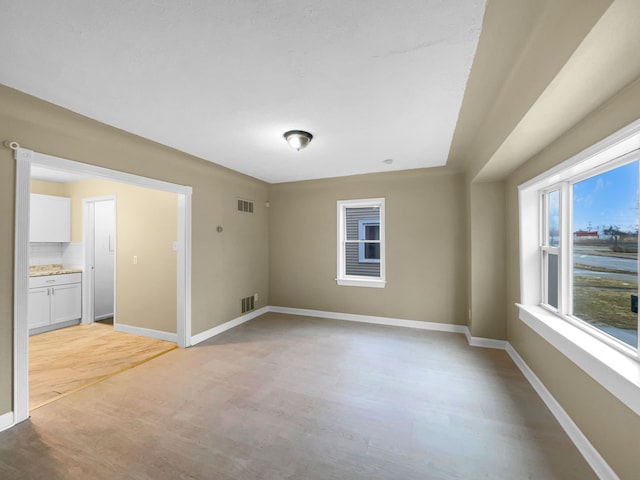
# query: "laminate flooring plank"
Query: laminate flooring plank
{"points": [[290, 397], [63, 361]]}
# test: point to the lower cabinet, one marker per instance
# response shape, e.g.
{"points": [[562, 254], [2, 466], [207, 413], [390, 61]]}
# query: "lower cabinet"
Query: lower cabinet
{"points": [[39, 307], [54, 299]]}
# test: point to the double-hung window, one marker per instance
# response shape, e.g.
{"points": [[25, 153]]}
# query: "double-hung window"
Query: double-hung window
{"points": [[579, 260], [361, 258]]}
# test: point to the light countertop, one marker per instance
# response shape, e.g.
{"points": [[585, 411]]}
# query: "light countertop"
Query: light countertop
{"points": [[52, 269]]}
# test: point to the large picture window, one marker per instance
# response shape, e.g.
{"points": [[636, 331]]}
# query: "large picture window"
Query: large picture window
{"points": [[599, 239], [361, 243]]}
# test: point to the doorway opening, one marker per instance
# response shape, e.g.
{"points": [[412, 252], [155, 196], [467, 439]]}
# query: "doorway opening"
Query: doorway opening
{"points": [[25, 159]]}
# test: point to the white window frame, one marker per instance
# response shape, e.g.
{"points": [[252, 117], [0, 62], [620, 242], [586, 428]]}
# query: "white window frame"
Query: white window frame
{"points": [[359, 280], [613, 364], [546, 249]]}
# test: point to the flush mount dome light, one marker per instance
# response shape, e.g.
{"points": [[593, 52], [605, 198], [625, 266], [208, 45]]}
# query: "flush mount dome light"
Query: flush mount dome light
{"points": [[298, 139]]}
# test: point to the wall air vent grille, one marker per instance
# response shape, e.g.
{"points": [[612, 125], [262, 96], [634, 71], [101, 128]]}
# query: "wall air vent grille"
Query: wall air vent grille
{"points": [[245, 206], [247, 304]]}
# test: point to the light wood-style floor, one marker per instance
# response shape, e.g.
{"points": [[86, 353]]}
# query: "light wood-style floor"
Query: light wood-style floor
{"points": [[288, 397], [66, 360]]}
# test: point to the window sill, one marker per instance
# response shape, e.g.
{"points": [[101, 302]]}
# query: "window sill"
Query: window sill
{"points": [[360, 282], [615, 371]]}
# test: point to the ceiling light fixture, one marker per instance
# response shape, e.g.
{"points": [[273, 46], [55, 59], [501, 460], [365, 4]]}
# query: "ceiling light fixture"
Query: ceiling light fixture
{"points": [[298, 139]]}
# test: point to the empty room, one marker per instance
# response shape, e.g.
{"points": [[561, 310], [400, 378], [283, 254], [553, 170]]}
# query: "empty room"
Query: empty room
{"points": [[386, 240]]}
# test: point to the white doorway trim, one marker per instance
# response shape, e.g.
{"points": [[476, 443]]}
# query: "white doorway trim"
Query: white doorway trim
{"points": [[88, 256], [24, 159]]}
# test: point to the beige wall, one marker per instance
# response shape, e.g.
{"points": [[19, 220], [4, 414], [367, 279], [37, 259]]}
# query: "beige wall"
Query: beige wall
{"points": [[146, 226], [425, 246], [49, 188], [488, 261], [225, 266], [610, 426]]}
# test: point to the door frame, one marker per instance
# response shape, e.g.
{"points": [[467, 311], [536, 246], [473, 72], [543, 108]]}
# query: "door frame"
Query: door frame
{"points": [[24, 159], [88, 255]]}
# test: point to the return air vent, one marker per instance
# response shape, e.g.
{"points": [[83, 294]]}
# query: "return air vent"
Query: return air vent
{"points": [[245, 206], [247, 304]]}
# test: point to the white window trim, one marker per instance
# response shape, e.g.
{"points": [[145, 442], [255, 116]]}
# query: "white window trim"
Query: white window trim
{"points": [[614, 366], [357, 280]]}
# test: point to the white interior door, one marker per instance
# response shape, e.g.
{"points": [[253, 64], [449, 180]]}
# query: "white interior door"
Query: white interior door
{"points": [[104, 258]]}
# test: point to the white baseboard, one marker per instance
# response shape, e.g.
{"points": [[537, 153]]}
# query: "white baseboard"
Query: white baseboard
{"points": [[590, 454], [485, 342], [146, 332], [212, 332], [6, 421], [395, 322]]}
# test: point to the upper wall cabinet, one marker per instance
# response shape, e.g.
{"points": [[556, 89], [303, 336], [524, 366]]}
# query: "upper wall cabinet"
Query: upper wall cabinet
{"points": [[50, 219]]}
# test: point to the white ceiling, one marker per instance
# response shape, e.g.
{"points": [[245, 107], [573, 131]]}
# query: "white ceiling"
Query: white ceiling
{"points": [[224, 79]]}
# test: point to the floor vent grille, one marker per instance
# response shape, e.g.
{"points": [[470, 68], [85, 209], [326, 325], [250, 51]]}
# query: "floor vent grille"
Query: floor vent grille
{"points": [[247, 304], [245, 206]]}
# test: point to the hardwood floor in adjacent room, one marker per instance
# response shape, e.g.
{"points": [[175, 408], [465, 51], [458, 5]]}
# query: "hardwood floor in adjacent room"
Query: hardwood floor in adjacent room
{"points": [[288, 397], [63, 361]]}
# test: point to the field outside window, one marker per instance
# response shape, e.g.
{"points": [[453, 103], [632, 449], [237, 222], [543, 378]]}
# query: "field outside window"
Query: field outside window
{"points": [[605, 252]]}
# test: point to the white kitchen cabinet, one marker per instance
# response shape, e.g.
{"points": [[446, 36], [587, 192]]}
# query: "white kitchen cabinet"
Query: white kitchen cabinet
{"points": [[54, 299], [39, 307], [66, 303], [50, 218]]}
